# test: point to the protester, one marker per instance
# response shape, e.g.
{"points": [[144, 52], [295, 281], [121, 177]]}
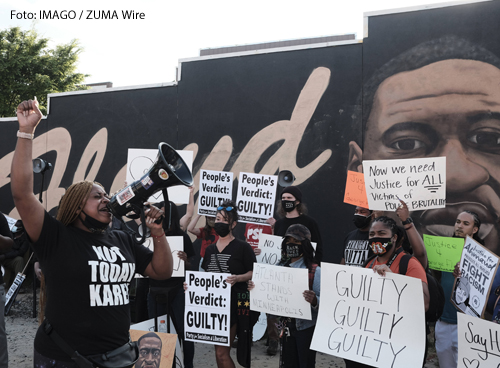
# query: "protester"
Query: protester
{"points": [[296, 334], [14, 260], [170, 290], [466, 224], [87, 267], [207, 234], [6, 244], [230, 255], [356, 245]]}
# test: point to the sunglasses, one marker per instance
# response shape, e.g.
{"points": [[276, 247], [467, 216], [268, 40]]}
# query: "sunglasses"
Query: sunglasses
{"points": [[228, 209]]}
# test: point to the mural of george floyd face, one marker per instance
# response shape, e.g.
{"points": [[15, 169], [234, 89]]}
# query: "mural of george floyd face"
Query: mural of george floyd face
{"points": [[440, 98]]}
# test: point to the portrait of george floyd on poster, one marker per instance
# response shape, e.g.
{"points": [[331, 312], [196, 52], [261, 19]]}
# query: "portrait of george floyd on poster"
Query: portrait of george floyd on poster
{"points": [[157, 349], [421, 183], [478, 266], [256, 197], [368, 317], [207, 313], [278, 291], [478, 342], [215, 188]]}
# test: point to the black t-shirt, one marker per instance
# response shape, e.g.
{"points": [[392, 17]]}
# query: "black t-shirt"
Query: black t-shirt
{"points": [[87, 280], [176, 281], [357, 248], [4, 231], [281, 226], [237, 258]]}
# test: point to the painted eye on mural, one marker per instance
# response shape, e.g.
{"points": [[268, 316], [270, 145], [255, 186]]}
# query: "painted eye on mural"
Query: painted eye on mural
{"points": [[485, 140], [408, 144]]}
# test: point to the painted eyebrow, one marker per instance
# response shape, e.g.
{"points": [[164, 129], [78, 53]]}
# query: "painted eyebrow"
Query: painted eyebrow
{"points": [[410, 125], [483, 116]]}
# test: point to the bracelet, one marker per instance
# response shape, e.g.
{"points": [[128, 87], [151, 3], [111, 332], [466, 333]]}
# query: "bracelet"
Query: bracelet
{"points": [[159, 236], [409, 227], [25, 135]]}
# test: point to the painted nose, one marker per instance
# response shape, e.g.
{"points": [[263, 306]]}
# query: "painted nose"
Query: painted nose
{"points": [[462, 173]]}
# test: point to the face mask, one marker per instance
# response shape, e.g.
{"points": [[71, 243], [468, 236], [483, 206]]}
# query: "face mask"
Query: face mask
{"points": [[95, 226], [361, 221], [293, 250], [288, 206], [221, 229], [380, 245]]}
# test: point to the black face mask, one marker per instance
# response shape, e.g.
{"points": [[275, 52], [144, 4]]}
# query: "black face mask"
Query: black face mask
{"points": [[293, 250], [221, 229], [361, 221], [288, 206], [95, 226], [380, 245]]}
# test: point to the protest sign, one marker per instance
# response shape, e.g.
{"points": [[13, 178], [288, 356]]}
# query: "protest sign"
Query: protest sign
{"points": [[162, 345], [139, 161], [478, 342], [278, 291], [10, 221], [176, 244], [367, 318], [208, 302], [270, 246], [215, 187], [443, 253], [478, 266], [255, 198], [420, 182], [355, 192]]}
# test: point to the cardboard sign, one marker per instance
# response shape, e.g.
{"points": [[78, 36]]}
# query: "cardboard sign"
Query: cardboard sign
{"points": [[215, 187], [443, 252], [355, 192], [256, 196], [139, 161], [278, 291], [477, 342], [374, 320], [420, 182], [176, 244], [207, 313], [478, 266], [162, 346]]}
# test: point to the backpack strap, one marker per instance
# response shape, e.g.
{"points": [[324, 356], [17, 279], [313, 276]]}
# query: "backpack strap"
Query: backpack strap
{"points": [[403, 264]]}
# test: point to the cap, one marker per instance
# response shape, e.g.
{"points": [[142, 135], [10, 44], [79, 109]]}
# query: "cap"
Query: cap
{"points": [[298, 232], [295, 191]]}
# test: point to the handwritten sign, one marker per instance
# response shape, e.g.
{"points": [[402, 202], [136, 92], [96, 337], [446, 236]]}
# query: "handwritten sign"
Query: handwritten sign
{"points": [[270, 246], [478, 266], [208, 301], [176, 244], [366, 317], [420, 182], [443, 252], [478, 345], [256, 196], [355, 192], [278, 291], [215, 188], [139, 161]]}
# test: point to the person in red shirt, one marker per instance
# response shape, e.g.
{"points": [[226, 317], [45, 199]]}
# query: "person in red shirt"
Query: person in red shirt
{"points": [[207, 234]]}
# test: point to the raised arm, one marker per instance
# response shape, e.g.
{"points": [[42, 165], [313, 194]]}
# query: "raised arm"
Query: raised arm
{"points": [[161, 265], [192, 226], [186, 219], [416, 241], [28, 206]]}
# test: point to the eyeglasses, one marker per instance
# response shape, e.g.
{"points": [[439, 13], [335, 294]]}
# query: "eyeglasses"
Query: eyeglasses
{"points": [[228, 209]]}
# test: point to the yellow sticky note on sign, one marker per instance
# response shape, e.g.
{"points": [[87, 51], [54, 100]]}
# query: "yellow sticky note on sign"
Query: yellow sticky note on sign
{"points": [[355, 192]]}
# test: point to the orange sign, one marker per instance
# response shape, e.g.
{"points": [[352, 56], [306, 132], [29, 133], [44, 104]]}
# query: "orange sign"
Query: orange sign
{"points": [[355, 192]]}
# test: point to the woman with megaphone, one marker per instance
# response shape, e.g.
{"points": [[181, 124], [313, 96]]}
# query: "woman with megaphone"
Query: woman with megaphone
{"points": [[87, 267]]}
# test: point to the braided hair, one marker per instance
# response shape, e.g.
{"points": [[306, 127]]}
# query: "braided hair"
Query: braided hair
{"points": [[74, 198]]}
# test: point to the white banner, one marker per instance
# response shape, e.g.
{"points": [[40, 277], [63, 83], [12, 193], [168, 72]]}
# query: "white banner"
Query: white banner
{"points": [[208, 302], [420, 182], [256, 197], [374, 320], [478, 342], [478, 266], [139, 161], [215, 187], [278, 291]]}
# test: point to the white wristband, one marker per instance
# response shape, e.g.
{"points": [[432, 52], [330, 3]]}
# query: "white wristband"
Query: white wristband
{"points": [[25, 135]]}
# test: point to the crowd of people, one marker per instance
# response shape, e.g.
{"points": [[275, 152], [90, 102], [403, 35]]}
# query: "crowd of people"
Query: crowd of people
{"points": [[78, 250]]}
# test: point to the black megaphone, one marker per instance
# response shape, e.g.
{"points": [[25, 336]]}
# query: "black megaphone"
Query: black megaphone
{"points": [[168, 170], [285, 178]]}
